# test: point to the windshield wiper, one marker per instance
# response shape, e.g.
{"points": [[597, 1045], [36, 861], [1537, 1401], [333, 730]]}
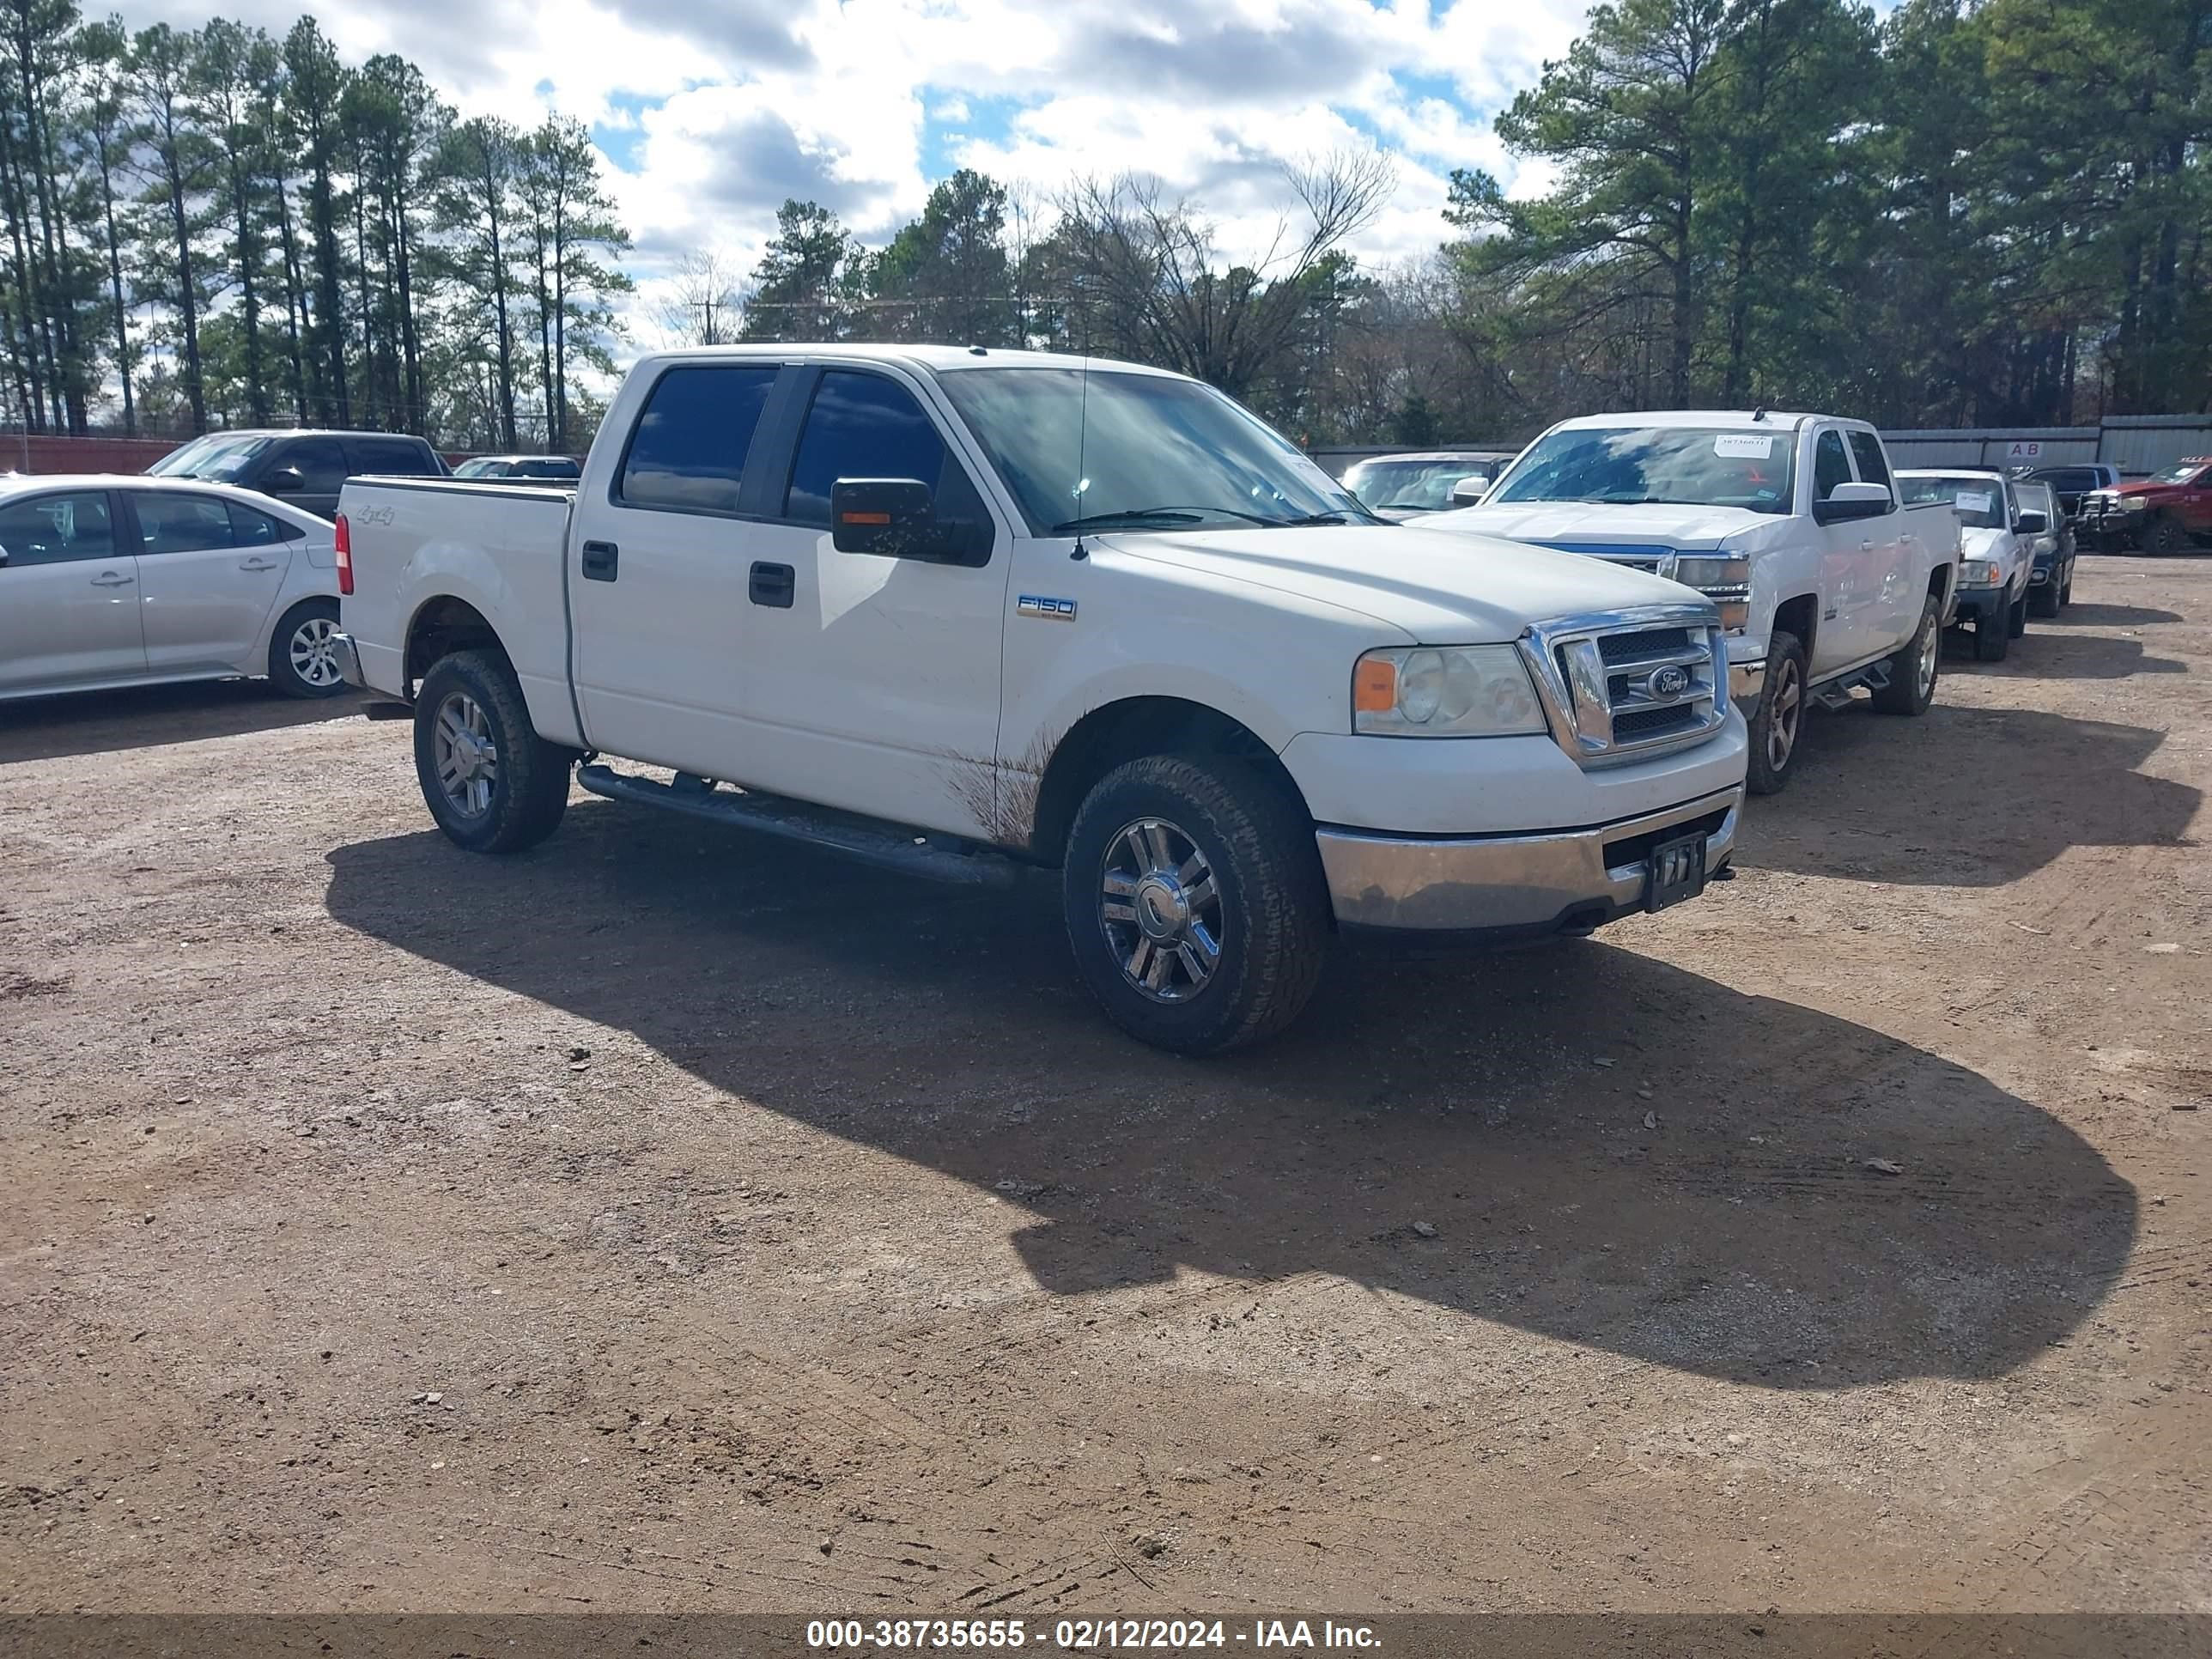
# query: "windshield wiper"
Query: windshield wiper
{"points": [[1127, 515], [1311, 519]]}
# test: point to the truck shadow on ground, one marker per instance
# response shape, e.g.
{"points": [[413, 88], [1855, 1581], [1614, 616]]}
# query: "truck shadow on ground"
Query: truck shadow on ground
{"points": [[1744, 1232], [2051, 652], [1967, 798], [144, 717], [2085, 614]]}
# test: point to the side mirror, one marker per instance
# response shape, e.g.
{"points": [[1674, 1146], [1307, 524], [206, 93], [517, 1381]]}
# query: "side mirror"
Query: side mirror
{"points": [[895, 517], [2033, 523], [1467, 491], [1852, 501], [284, 480], [3, 555]]}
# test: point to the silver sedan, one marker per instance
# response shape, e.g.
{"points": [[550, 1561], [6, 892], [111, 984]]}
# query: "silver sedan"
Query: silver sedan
{"points": [[110, 581]]}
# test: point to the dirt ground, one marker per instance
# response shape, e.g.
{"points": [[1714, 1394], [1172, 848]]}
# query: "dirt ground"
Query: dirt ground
{"points": [[665, 1218]]}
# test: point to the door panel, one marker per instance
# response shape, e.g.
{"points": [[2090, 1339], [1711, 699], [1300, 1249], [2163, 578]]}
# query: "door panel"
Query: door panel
{"points": [[1896, 599], [874, 686], [659, 574], [204, 597], [1847, 560], [69, 601]]}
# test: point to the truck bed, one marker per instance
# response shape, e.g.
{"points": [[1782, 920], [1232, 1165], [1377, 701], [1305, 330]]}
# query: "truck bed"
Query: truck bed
{"points": [[497, 547]]}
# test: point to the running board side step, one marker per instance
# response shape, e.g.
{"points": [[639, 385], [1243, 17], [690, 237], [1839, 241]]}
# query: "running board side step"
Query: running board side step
{"points": [[867, 840]]}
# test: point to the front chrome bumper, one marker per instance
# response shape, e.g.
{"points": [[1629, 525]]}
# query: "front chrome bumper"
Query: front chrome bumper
{"points": [[1563, 880], [348, 661]]}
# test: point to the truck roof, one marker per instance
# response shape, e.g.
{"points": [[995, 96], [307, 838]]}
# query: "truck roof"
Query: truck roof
{"points": [[1950, 472], [920, 356], [1769, 420]]}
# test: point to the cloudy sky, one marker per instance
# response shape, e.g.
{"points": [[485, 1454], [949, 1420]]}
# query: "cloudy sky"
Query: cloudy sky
{"points": [[711, 111]]}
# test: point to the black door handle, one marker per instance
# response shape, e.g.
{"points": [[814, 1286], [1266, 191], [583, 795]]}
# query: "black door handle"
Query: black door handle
{"points": [[601, 560], [773, 585]]}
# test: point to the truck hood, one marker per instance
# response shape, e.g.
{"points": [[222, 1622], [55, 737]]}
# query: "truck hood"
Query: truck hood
{"points": [[1975, 543], [2143, 489], [1598, 526], [1437, 587]]}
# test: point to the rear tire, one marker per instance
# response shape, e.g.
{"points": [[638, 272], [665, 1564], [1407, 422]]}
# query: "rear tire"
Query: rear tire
{"points": [[1913, 666], [301, 661], [491, 782], [1195, 905], [1779, 722]]}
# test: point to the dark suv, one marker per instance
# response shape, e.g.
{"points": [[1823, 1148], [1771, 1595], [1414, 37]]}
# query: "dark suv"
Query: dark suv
{"points": [[303, 468]]}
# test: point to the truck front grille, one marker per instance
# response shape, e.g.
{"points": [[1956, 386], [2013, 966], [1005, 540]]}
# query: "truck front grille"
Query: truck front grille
{"points": [[1626, 685]]}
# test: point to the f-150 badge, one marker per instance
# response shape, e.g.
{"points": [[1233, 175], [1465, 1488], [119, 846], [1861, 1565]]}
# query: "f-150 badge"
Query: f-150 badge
{"points": [[1036, 604]]}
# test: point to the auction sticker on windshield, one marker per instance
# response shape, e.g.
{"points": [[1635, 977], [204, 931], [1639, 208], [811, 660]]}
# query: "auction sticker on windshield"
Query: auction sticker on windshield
{"points": [[1972, 500], [1752, 448]]}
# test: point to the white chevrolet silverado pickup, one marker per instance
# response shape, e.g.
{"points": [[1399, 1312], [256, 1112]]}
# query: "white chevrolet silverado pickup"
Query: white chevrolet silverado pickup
{"points": [[1791, 523], [952, 610], [1999, 533]]}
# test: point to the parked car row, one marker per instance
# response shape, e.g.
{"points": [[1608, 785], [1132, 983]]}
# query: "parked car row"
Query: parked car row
{"points": [[954, 611]]}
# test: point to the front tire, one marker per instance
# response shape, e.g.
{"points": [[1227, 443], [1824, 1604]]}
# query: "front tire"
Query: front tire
{"points": [[1778, 721], [1993, 636], [2016, 617], [1913, 666], [491, 782], [2043, 601], [1195, 903], [301, 662], [2165, 537]]}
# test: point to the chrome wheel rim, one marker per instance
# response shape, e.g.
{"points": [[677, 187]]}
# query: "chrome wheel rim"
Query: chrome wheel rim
{"points": [[1161, 910], [466, 756], [1924, 669], [313, 658], [1783, 714]]}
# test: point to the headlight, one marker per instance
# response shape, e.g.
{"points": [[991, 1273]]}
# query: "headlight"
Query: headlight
{"points": [[1723, 578], [1444, 691], [1977, 573]]}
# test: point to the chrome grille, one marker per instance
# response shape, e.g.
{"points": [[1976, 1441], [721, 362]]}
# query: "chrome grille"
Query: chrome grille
{"points": [[1625, 685]]}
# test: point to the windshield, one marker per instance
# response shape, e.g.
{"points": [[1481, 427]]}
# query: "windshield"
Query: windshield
{"points": [[2179, 473], [482, 467], [221, 458], [1158, 453], [1979, 502], [1687, 467], [1423, 485]]}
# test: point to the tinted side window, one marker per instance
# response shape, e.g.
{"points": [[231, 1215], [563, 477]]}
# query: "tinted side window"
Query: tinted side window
{"points": [[549, 469], [861, 426], [169, 523], [394, 455], [321, 462], [249, 527], [688, 450], [1866, 449], [1829, 467], [50, 529]]}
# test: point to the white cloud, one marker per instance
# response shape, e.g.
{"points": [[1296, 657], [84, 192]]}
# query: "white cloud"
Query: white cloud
{"points": [[727, 107]]}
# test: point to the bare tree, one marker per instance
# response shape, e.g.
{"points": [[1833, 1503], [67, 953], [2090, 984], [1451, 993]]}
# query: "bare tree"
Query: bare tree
{"points": [[701, 305], [1144, 271]]}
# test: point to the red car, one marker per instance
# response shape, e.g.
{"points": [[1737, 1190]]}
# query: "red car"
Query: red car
{"points": [[2162, 513]]}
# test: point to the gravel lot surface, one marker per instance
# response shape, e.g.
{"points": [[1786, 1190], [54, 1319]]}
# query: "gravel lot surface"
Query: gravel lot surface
{"points": [[668, 1219]]}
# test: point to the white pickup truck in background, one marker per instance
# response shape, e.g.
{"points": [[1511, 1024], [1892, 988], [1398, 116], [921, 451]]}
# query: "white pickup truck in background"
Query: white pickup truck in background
{"points": [[950, 611], [1998, 535], [1790, 523]]}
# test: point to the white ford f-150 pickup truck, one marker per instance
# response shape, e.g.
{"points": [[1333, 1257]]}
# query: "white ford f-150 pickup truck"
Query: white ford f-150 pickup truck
{"points": [[955, 610], [1791, 523]]}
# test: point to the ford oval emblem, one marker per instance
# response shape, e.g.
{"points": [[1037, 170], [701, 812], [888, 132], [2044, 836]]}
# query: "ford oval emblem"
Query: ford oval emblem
{"points": [[1668, 682]]}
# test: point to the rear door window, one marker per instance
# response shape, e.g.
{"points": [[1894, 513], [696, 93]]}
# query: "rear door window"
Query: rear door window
{"points": [[251, 527], [688, 452], [172, 522], [1866, 450], [396, 456]]}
